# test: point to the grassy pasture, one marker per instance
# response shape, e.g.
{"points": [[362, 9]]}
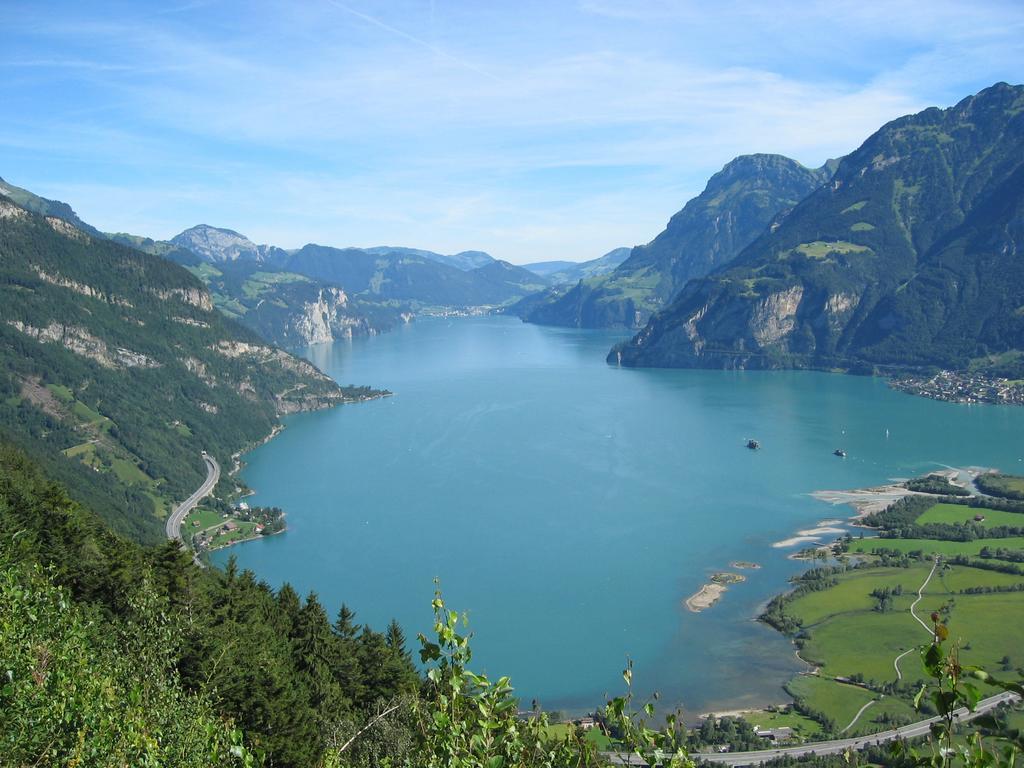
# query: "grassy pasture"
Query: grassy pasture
{"points": [[958, 513], [932, 546], [836, 700]]}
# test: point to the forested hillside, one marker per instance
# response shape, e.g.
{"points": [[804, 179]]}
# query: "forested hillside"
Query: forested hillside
{"points": [[145, 659], [116, 371], [909, 257]]}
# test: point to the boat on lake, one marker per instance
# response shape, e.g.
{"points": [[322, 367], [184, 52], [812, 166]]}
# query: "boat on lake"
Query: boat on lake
{"points": [[839, 452], [753, 445]]}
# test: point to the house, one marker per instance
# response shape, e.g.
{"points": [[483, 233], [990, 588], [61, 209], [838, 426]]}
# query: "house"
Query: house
{"points": [[979, 518], [229, 526], [258, 528], [585, 723], [775, 734]]}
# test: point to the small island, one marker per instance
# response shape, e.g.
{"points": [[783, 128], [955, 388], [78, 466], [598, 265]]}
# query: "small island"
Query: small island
{"points": [[711, 593]]}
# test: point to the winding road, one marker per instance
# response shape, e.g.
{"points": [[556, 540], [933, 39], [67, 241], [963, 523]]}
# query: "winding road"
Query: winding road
{"points": [[174, 522], [834, 747]]}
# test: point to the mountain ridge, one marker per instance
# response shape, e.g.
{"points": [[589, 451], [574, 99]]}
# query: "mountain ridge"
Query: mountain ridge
{"points": [[737, 204], [905, 258]]}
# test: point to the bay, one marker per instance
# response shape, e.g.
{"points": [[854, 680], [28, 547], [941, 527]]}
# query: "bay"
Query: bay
{"points": [[570, 506]]}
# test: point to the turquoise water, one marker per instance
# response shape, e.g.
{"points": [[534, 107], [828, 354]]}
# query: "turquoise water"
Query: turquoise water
{"points": [[571, 507]]}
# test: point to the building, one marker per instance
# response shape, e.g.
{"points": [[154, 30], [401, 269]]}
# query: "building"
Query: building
{"points": [[775, 735]]}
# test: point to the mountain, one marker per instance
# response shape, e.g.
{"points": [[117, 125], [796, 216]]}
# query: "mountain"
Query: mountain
{"points": [[547, 268], [293, 310], [116, 371], [35, 204], [217, 245], [319, 294], [412, 279], [464, 260], [737, 205], [561, 272], [910, 256]]}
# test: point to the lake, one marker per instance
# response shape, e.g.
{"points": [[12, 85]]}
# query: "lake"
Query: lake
{"points": [[571, 507]]}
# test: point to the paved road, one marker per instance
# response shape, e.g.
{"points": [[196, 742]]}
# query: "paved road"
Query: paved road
{"points": [[174, 522], [838, 746]]}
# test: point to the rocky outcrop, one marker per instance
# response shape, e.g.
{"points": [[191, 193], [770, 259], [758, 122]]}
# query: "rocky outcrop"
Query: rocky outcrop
{"points": [[81, 342], [774, 316], [326, 319], [195, 297], [81, 288], [217, 245]]}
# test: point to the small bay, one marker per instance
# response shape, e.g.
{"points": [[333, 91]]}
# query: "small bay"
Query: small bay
{"points": [[571, 506]]}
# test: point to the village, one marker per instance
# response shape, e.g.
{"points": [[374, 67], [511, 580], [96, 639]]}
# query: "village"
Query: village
{"points": [[963, 387], [211, 530]]}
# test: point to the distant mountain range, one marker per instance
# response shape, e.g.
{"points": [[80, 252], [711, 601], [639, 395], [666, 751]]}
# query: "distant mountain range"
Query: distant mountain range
{"points": [[571, 272], [911, 255]]}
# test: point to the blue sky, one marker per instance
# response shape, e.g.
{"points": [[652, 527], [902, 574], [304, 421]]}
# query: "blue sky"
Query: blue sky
{"points": [[531, 130]]}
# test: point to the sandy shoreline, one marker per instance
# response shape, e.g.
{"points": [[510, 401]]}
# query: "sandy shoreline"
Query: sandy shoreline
{"points": [[712, 592], [707, 596]]}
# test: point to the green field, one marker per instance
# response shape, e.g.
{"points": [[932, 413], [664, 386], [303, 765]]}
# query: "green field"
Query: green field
{"points": [[821, 249], [841, 702], [205, 518], [845, 635], [127, 472], [867, 642], [836, 700], [244, 531], [959, 513], [956, 579], [260, 282], [867, 545], [853, 593], [594, 735], [862, 226], [808, 729], [990, 626], [205, 271], [62, 393]]}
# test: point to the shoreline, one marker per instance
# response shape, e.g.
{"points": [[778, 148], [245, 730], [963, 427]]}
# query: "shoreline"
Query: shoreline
{"points": [[824, 535], [244, 491]]}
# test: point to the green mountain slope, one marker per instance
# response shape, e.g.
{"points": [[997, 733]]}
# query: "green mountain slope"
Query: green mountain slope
{"points": [[116, 371], [32, 202], [145, 659], [738, 204], [415, 280], [464, 260], [910, 256]]}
